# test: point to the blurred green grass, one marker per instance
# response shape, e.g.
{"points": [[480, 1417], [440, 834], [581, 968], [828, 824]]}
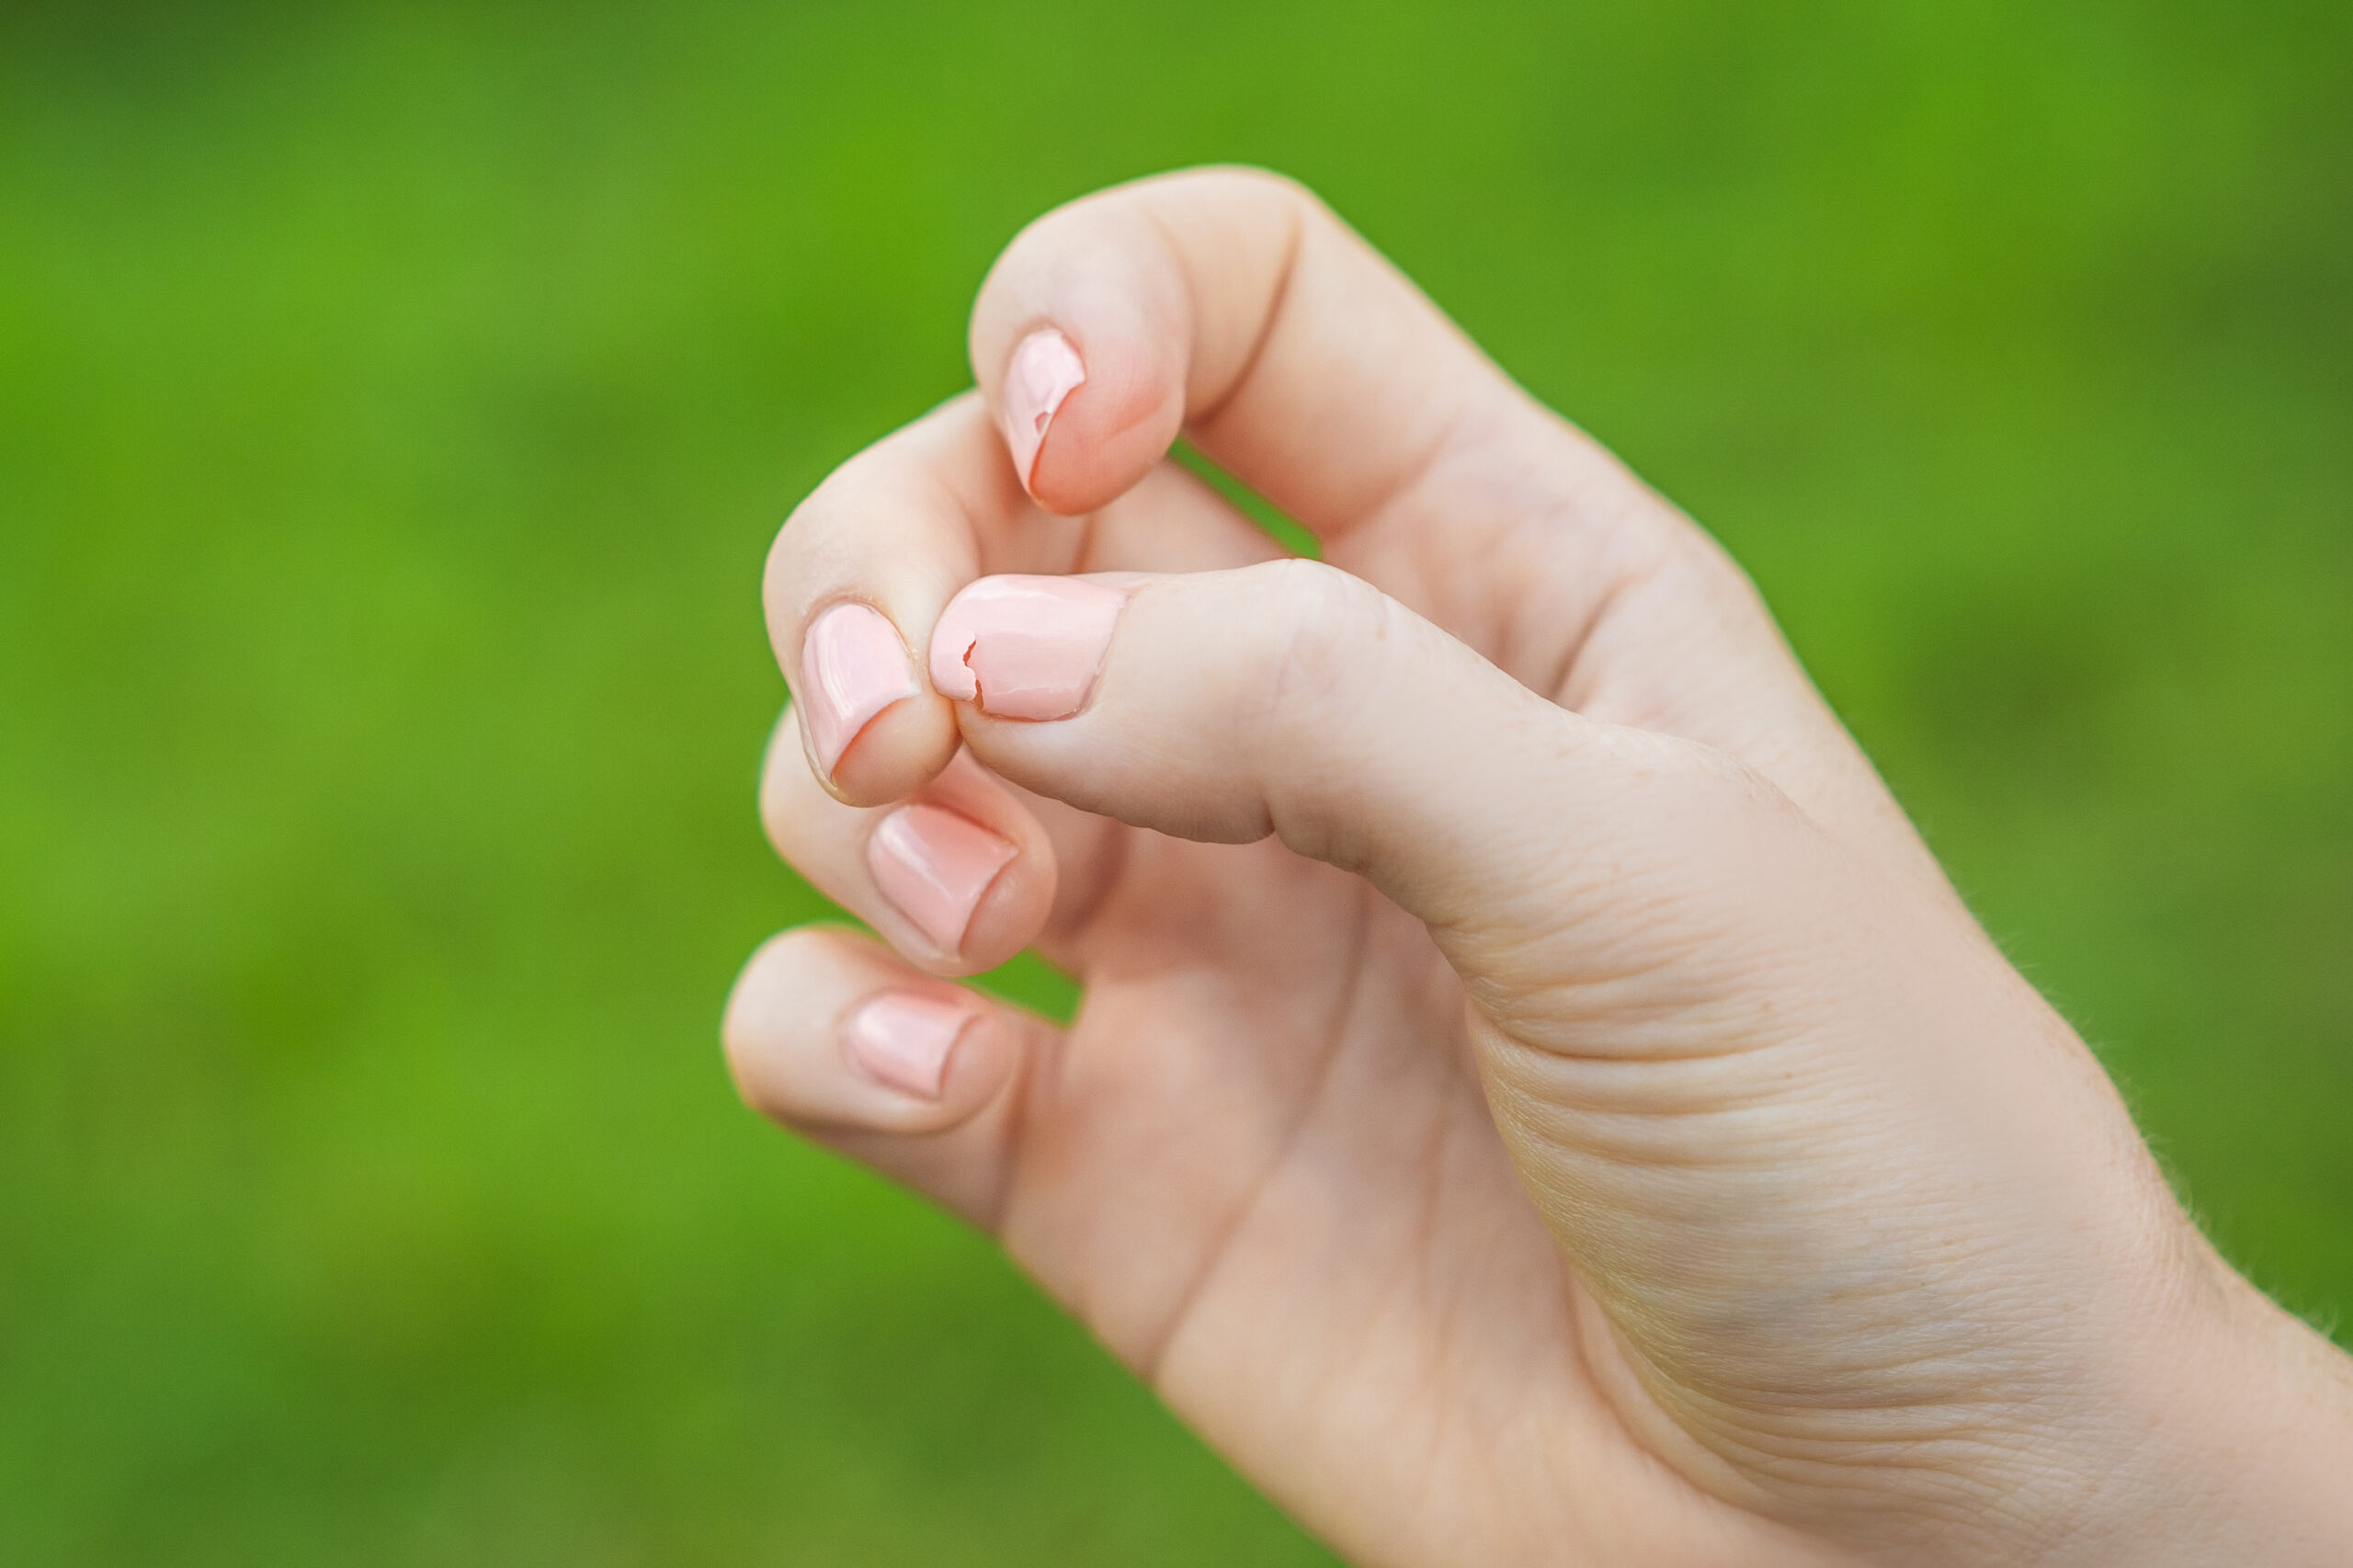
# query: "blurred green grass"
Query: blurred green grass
{"points": [[395, 402]]}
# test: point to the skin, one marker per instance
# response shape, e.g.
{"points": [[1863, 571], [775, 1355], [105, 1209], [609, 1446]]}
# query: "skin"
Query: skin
{"points": [[1535, 1099]]}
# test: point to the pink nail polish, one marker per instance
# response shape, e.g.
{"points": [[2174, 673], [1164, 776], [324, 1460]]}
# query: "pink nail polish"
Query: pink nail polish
{"points": [[853, 665], [934, 866], [901, 1042], [1044, 369], [1024, 647]]}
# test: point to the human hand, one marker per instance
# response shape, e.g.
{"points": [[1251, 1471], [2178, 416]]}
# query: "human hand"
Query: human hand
{"points": [[1535, 1099]]}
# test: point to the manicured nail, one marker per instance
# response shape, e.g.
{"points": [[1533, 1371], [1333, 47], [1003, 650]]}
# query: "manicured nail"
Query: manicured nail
{"points": [[902, 1042], [1044, 369], [934, 866], [1024, 647], [853, 665]]}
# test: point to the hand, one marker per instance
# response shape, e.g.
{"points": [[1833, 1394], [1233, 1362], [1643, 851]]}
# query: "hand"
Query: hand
{"points": [[1535, 1099]]}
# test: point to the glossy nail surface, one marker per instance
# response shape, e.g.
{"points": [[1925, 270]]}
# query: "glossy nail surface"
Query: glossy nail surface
{"points": [[853, 665], [1024, 647], [934, 866], [1044, 371], [901, 1042]]}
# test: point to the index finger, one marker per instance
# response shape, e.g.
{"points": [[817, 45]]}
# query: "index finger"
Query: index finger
{"points": [[861, 570], [866, 561]]}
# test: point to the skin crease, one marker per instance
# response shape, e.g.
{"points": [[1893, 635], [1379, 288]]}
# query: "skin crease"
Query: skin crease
{"points": [[1535, 1100]]}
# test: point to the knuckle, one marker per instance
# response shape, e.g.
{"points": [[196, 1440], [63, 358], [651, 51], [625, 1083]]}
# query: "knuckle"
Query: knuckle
{"points": [[796, 555], [1250, 181], [1704, 786], [1243, 184], [1329, 628], [826, 527], [843, 492]]}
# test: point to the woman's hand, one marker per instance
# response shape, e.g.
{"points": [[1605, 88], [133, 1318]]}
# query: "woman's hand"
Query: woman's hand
{"points": [[1535, 1099]]}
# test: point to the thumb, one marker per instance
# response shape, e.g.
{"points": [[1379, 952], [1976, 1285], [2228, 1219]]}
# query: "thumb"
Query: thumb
{"points": [[1805, 1138], [1292, 698]]}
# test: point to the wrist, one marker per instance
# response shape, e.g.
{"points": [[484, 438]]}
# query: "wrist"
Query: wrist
{"points": [[2239, 1440]]}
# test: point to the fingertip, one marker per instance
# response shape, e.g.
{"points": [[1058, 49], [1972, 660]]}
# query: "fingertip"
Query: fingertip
{"points": [[1044, 371], [1021, 646], [872, 730], [967, 869], [1106, 433], [864, 563], [854, 664], [1015, 907], [1081, 341], [893, 755], [823, 1030], [903, 1041], [919, 1063], [980, 1058], [934, 866]]}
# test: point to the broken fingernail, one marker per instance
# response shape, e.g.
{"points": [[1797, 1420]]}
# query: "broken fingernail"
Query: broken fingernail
{"points": [[1024, 647], [1044, 371]]}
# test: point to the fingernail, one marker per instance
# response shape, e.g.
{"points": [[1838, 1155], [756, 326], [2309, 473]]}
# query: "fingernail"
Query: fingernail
{"points": [[1044, 369], [853, 665], [1024, 647], [934, 866], [902, 1042]]}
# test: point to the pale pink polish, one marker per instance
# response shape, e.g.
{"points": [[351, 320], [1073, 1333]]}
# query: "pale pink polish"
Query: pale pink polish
{"points": [[853, 665], [1024, 647], [1043, 371], [901, 1042], [934, 866]]}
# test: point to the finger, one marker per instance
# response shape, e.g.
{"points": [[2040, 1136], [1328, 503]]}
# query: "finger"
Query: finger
{"points": [[1294, 698], [828, 1034], [863, 569], [911, 873], [859, 570], [958, 877], [902, 877], [1234, 304]]}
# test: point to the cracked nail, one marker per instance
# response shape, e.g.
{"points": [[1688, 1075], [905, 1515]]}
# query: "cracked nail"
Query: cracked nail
{"points": [[1044, 371], [1024, 647]]}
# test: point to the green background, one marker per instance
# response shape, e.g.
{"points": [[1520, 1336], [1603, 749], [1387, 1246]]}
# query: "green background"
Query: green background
{"points": [[395, 403]]}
